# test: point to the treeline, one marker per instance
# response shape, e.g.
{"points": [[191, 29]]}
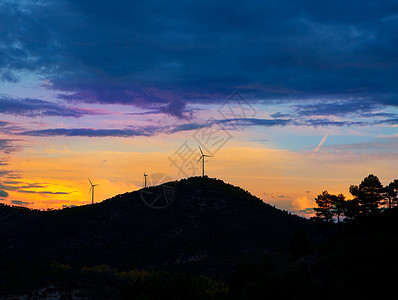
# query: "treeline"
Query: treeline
{"points": [[369, 198]]}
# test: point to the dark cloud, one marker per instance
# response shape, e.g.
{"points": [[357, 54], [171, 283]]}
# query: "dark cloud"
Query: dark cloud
{"points": [[35, 107], [276, 196], [21, 187], [187, 127], [8, 187], [258, 122], [350, 112], [393, 121], [168, 54], [7, 146], [8, 174], [280, 115], [43, 192], [339, 108], [227, 124], [88, 132], [327, 122], [9, 128], [304, 211], [19, 202], [153, 130], [3, 194], [176, 108]]}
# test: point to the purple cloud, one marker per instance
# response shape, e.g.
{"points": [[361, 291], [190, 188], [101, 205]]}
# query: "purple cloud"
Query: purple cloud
{"points": [[38, 108], [90, 132]]}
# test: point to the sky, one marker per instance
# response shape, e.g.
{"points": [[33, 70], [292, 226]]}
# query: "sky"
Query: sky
{"points": [[289, 97]]}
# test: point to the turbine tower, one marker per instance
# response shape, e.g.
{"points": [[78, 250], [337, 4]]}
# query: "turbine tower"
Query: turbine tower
{"points": [[202, 157], [92, 191], [145, 175]]}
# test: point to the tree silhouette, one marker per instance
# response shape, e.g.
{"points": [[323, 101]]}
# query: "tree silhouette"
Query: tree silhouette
{"points": [[351, 209], [369, 194], [338, 205], [330, 206], [391, 191], [324, 209]]}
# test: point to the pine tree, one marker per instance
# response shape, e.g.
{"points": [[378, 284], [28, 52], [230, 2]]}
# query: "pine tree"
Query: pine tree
{"points": [[324, 209], [369, 194]]}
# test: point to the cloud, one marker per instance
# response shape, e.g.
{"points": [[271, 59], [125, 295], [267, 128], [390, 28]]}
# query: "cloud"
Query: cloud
{"points": [[19, 202], [3, 194], [307, 212], [10, 174], [154, 55], [327, 122], [153, 130], [338, 108], [258, 122], [276, 196], [177, 109], [43, 192], [187, 127], [8, 187], [35, 107], [90, 132], [7, 146], [16, 185], [280, 115], [9, 128], [303, 203], [228, 124]]}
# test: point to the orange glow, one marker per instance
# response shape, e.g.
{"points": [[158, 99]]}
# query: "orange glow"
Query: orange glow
{"points": [[287, 179]]}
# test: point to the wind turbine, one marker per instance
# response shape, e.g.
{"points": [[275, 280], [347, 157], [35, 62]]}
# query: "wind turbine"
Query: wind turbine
{"points": [[145, 175], [92, 191], [202, 157]]}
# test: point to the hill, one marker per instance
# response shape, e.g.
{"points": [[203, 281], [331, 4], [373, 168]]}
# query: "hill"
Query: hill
{"points": [[198, 238], [207, 224]]}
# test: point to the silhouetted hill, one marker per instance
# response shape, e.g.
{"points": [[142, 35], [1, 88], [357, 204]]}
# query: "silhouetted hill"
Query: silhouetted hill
{"points": [[123, 248], [206, 229]]}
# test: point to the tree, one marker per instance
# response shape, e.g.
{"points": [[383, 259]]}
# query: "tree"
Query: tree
{"points": [[324, 209], [351, 209], [391, 191], [338, 206], [329, 206], [369, 194]]}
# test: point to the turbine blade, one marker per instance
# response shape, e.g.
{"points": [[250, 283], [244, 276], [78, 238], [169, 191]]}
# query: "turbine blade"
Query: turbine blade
{"points": [[200, 150], [207, 155], [90, 190], [199, 160], [90, 181]]}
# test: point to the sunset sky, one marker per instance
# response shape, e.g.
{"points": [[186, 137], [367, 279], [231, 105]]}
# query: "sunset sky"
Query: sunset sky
{"points": [[290, 97]]}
